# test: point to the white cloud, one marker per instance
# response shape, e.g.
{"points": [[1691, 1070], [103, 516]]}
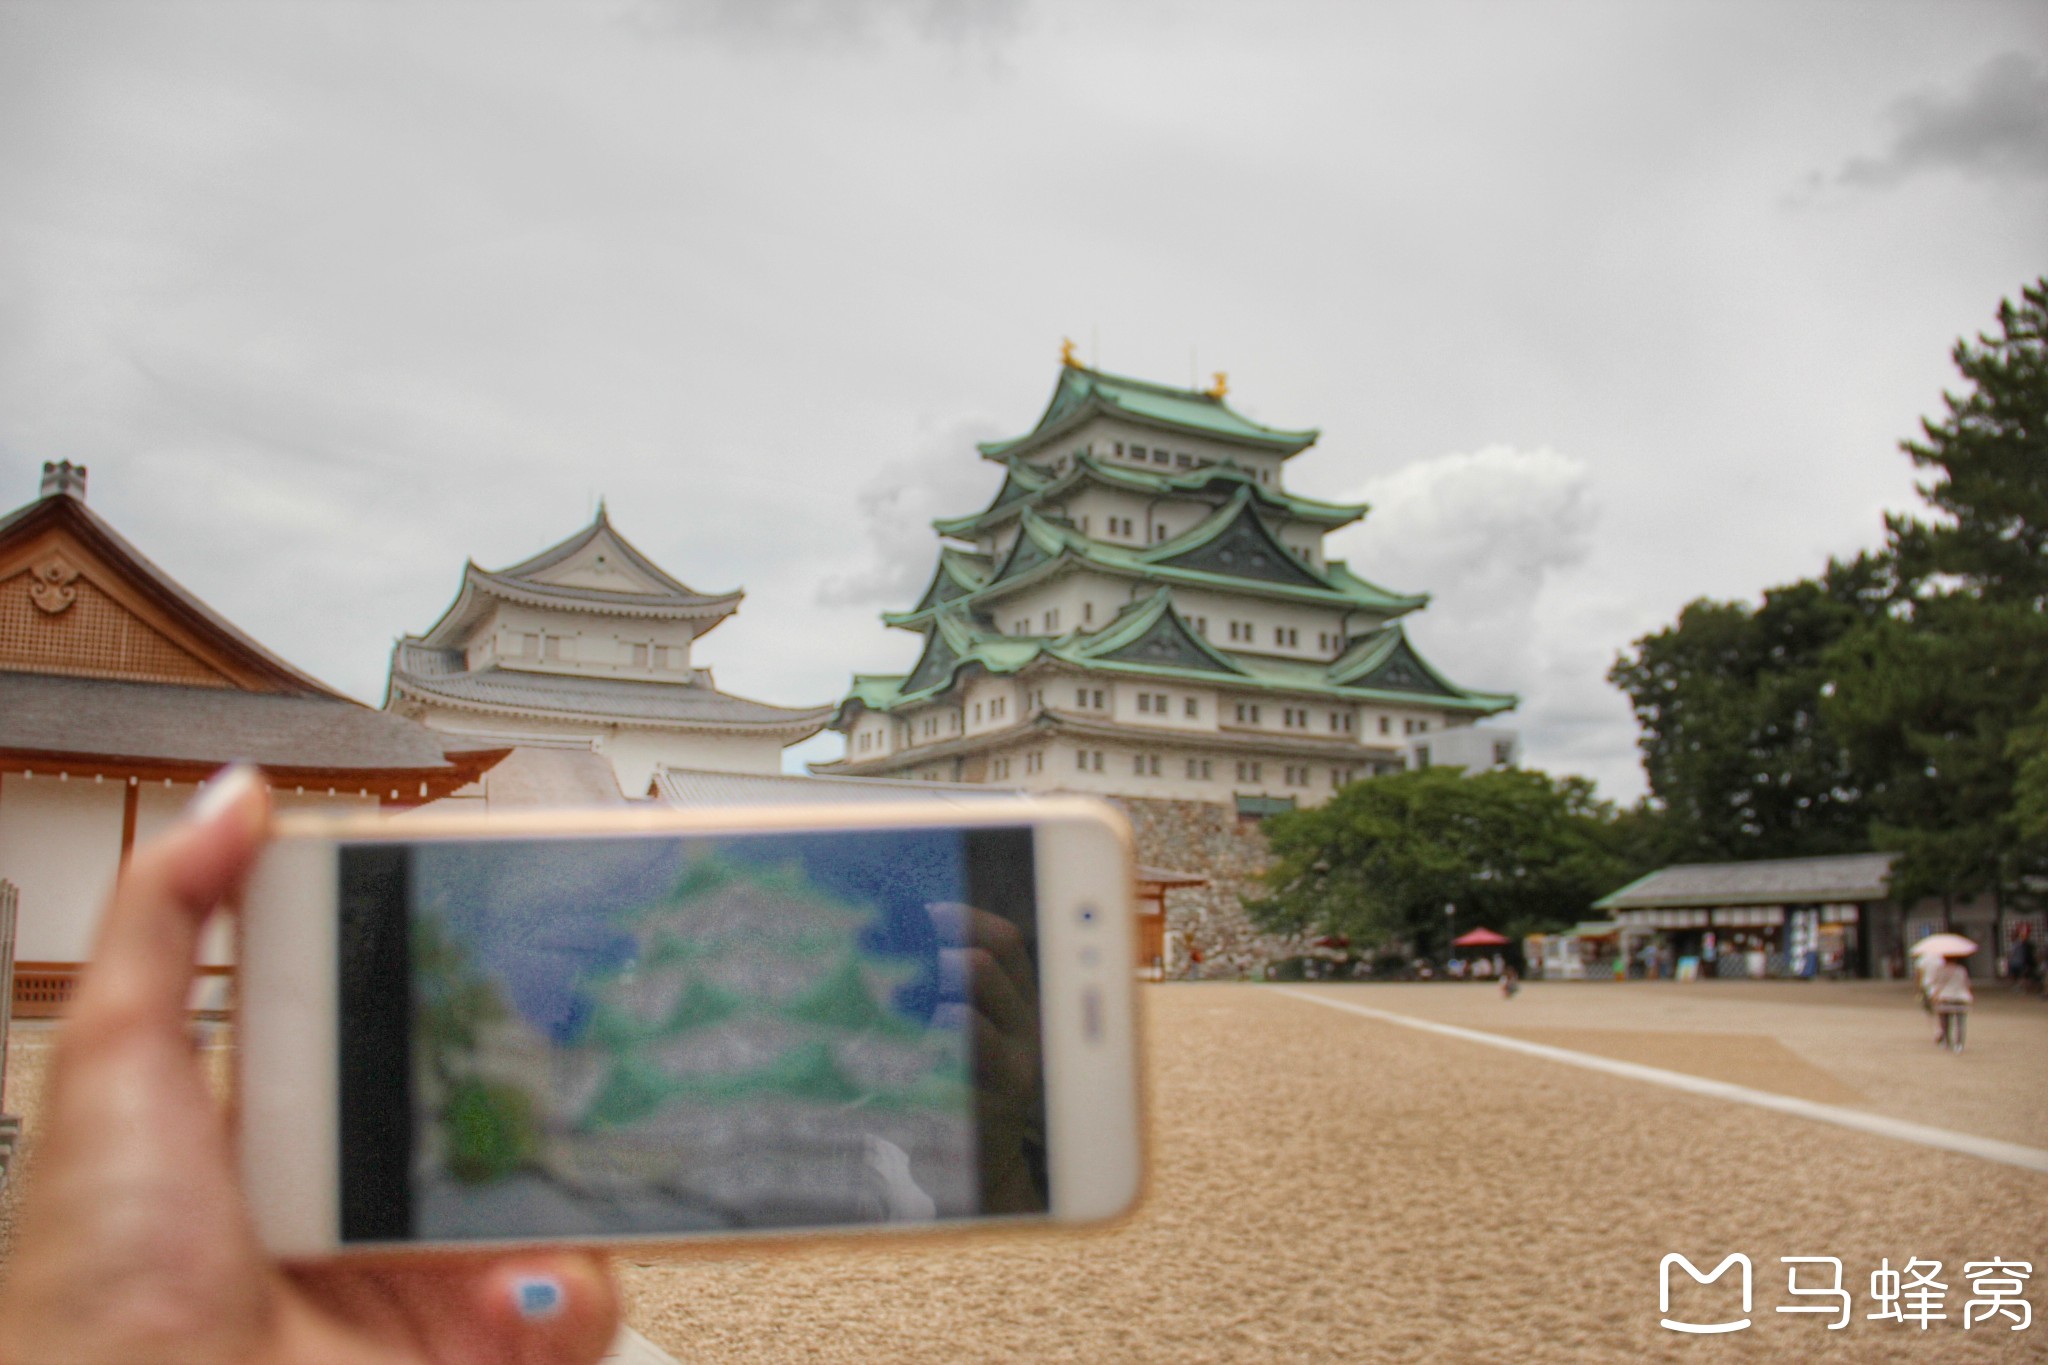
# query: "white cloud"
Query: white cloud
{"points": [[1501, 539]]}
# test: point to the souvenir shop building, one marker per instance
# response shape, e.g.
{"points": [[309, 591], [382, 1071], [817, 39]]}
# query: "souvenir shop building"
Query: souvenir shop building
{"points": [[1780, 917]]}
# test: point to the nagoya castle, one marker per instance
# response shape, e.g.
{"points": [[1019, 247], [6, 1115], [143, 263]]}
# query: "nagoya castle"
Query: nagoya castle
{"points": [[1145, 611]]}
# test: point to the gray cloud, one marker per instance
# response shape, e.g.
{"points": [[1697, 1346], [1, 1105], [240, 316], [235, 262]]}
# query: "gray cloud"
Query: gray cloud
{"points": [[897, 505], [1502, 539], [1997, 128]]}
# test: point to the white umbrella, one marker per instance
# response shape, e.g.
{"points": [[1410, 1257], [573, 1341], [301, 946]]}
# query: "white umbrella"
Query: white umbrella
{"points": [[1944, 945]]}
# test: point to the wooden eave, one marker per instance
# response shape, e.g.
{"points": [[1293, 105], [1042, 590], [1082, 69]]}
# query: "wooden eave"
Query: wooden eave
{"points": [[63, 524], [393, 786]]}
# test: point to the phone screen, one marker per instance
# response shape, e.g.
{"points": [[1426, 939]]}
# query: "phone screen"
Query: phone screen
{"points": [[660, 1035]]}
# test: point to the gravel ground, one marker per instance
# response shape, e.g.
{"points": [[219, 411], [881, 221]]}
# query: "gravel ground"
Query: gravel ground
{"points": [[1331, 1188], [1326, 1187]]}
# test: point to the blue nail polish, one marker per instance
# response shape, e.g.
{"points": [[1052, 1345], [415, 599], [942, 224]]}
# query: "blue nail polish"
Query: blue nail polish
{"points": [[538, 1297]]}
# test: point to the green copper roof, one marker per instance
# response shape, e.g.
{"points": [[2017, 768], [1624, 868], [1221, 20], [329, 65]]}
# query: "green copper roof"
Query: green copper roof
{"points": [[1236, 543], [1258, 564], [1150, 633], [1384, 660], [1081, 393], [1150, 639], [958, 574], [1017, 493]]}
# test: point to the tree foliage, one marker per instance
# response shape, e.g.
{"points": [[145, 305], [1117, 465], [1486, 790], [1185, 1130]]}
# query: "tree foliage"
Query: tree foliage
{"points": [[1514, 850], [1894, 702], [1733, 736]]}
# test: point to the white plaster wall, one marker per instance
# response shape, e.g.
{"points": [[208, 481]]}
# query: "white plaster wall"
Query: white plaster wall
{"points": [[60, 842], [633, 750], [1308, 622], [1095, 505], [1124, 708], [981, 694], [1102, 435], [592, 643]]}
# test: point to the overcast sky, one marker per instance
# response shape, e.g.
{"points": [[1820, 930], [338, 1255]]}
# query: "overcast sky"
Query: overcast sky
{"points": [[1604, 307]]}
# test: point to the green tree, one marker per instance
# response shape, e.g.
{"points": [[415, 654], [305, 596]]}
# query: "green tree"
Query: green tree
{"points": [[1935, 696], [1515, 850], [1735, 743]]}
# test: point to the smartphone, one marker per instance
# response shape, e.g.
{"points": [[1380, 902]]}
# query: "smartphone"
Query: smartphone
{"points": [[650, 1025]]}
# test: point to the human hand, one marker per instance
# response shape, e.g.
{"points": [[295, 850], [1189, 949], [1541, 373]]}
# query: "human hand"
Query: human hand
{"points": [[135, 1242]]}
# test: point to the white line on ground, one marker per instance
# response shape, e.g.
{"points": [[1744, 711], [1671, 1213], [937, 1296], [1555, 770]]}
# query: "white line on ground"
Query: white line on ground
{"points": [[1947, 1140]]}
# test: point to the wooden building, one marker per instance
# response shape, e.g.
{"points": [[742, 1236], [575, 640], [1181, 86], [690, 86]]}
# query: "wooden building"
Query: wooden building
{"points": [[121, 692]]}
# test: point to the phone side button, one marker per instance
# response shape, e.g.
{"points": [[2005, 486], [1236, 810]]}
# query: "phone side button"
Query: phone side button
{"points": [[1091, 1014]]}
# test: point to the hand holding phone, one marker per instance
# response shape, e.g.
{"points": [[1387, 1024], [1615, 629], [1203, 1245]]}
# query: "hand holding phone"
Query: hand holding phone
{"points": [[654, 1025], [135, 1240]]}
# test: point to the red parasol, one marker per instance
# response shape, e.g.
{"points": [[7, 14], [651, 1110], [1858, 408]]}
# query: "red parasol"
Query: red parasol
{"points": [[1478, 938]]}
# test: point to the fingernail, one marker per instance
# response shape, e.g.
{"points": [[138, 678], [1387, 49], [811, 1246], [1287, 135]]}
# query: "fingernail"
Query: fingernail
{"points": [[226, 787], [537, 1296]]}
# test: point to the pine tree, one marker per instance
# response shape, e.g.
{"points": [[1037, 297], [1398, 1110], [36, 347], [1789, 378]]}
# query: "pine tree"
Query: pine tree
{"points": [[1933, 695]]}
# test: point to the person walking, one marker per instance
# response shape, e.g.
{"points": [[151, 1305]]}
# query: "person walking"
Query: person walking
{"points": [[2023, 962], [1948, 988]]}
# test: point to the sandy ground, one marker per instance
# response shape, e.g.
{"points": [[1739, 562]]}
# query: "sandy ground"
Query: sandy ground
{"points": [[1328, 1187]]}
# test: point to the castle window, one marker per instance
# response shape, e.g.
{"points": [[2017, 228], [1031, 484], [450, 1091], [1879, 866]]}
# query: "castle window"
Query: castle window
{"points": [[1119, 447], [1138, 764], [977, 713], [1144, 701], [1202, 626], [1097, 765], [1503, 753], [1098, 699], [1087, 613], [1081, 759], [1137, 452], [1080, 696], [1160, 457], [1386, 726], [639, 654], [1194, 708], [1183, 459], [1422, 755]]}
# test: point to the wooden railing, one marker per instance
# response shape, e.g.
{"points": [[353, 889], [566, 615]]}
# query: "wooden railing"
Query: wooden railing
{"points": [[43, 990]]}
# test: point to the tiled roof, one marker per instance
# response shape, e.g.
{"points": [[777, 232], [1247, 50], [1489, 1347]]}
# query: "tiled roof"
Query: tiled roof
{"points": [[1081, 391], [1025, 486], [1852, 877], [1230, 550], [95, 717], [1149, 638], [439, 675]]}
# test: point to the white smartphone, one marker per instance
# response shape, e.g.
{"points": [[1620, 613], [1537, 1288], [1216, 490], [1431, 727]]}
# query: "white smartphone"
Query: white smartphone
{"points": [[652, 1025]]}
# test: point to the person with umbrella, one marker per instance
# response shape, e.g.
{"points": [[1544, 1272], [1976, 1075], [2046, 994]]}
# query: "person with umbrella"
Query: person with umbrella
{"points": [[1947, 984]]}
